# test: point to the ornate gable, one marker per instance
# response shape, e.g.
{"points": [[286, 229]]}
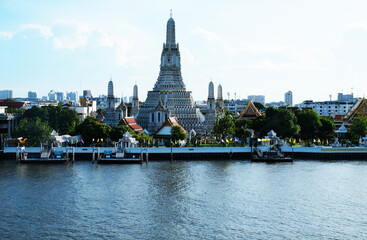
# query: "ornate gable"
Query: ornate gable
{"points": [[250, 112], [359, 109]]}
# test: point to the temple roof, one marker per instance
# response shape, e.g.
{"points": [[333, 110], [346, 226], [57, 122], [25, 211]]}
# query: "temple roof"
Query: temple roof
{"points": [[130, 122], [165, 130], [250, 112], [359, 108]]}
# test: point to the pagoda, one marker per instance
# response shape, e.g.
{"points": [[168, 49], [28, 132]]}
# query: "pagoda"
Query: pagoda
{"points": [[169, 97]]}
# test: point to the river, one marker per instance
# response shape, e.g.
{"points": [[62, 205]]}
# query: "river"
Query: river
{"points": [[184, 200]]}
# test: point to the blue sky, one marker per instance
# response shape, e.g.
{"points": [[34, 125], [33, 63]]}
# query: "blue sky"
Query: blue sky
{"points": [[313, 48]]}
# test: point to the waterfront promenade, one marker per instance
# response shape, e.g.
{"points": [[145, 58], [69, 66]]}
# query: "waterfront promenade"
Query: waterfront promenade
{"points": [[209, 153]]}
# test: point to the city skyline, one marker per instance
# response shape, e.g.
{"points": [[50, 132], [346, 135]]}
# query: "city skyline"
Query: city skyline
{"points": [[313, 49]]}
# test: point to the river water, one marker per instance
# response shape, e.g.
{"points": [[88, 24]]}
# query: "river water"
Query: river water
{"points": [[184, 200]]}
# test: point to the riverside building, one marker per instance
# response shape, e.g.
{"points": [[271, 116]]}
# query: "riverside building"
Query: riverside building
{"points": [[169, 97]]}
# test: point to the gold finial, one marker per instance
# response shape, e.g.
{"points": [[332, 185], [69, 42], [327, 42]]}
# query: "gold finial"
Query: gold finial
{"points": [[170, 15]]}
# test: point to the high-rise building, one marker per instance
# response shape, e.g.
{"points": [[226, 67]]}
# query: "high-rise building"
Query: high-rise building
{"points": [[32, 95], [257, 98], [52, 96], [72, 96], [169, 97], [87, 94], [60, 96], [288, 98], [4, 94]]}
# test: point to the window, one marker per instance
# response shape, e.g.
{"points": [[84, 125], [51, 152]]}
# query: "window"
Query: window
{"points": [[152, 117], [159, 117]]}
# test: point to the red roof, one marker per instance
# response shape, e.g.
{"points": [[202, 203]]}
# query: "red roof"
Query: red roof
{"points": [[130, 121], [12, 104]]}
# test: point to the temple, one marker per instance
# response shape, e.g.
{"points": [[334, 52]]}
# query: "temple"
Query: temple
{"points": [[169, 97], [114, 114], [250, 112]]}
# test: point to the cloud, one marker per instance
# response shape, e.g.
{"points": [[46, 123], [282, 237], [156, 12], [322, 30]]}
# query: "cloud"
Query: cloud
{"points": [[187, 54], [362, 25], [44, 30], [6, 35], [241, 46], [70, 34], [269, 65]]}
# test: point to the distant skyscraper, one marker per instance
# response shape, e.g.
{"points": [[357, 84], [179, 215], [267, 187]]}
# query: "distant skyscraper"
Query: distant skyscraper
{"points": [[288, 98], [60, 96], [32, 95], [87, 94], [125, 100], [72, 96], [257, 98], [130, 99], [52, 96], [4, 94]]}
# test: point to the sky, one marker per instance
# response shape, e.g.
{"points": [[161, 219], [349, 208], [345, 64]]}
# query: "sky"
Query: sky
{"points": [[314, 48]]}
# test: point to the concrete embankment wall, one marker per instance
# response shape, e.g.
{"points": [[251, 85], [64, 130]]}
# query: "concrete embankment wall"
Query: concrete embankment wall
{"points": [[208, 153]]}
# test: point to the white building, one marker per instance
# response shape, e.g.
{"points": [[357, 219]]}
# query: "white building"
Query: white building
{"points": [[257, 98], [288, 98], [4, 94], [328, 108]]}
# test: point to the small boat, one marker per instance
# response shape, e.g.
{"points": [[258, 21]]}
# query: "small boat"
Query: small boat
{"points": [[117, 157], [273, 155]]}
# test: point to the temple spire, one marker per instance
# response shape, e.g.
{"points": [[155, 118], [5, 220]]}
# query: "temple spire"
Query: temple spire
{"points": [[171, 35]]}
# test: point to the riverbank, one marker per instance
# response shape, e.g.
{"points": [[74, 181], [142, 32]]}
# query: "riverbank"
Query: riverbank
{"points": [[206, 153]]}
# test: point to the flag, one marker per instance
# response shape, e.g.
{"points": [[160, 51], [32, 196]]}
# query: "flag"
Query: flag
{"points": [[76, 141], [83, 141], [227, 140], [101, 139], [97, 140]]}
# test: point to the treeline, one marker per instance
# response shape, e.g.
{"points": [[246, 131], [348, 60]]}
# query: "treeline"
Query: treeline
{"points": [[37, 124], [305, 124]]}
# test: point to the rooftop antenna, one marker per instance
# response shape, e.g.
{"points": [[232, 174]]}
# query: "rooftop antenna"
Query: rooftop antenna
{"points": [[170, 15], [330, 97]]}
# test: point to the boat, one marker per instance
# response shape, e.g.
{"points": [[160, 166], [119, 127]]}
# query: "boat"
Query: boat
{"points": [[273, 155]]}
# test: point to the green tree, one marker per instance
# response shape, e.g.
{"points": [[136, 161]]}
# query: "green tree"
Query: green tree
{"points": [[117, 132], [177, 133], [259, 106], [327, 129], [282, 121], [223, 126], [62, 119], [358, 128], [143, 138], [35, 130], [92, 129], [310, 123], [242, 128]]}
